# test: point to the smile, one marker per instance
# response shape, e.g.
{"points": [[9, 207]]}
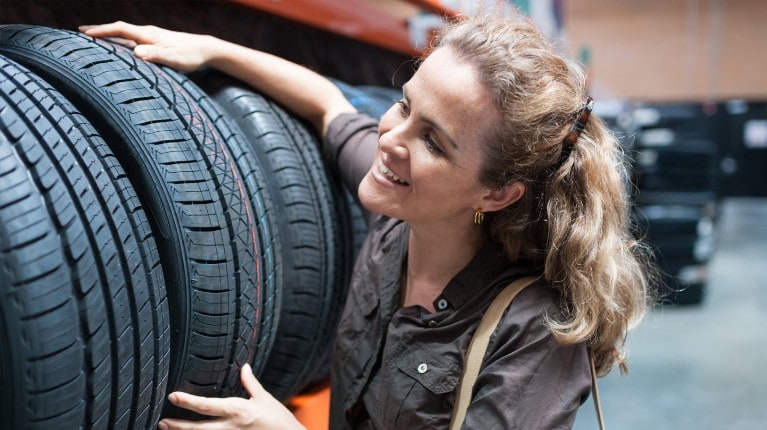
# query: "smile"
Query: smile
{"points": [[390, 175]]}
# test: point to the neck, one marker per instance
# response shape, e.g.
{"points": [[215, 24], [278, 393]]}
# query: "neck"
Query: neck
{"points": [[434, 258]]}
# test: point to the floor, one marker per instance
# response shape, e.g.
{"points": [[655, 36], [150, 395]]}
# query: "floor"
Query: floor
{"points": [[701, 367]]}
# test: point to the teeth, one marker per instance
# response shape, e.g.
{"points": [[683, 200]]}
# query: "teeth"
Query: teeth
{"points": [[389, 174]]}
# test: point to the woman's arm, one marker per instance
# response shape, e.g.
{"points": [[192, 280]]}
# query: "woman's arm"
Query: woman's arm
{"points": [[302, 91]]}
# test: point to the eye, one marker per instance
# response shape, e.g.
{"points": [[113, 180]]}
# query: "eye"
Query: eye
{"points": [[428, 139], [432, 145], [404, 109]]}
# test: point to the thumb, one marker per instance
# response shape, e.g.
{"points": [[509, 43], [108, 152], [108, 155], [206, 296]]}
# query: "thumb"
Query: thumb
{"points": [[249, 381]]}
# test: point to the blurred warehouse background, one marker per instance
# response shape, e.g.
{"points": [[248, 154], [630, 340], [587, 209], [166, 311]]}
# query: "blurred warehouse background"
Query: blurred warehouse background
{"points": [[683, 84]]}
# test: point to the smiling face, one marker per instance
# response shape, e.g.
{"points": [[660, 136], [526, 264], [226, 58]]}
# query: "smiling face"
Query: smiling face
{"points": [[429, 151]]}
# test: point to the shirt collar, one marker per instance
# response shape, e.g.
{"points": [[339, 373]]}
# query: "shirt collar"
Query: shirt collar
{"points": [[488, 268]]}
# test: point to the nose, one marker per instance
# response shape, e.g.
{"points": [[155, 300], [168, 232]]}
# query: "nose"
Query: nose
{"points": [[394, 141]]}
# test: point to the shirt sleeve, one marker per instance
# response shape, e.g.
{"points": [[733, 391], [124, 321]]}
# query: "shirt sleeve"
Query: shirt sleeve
{"points": [[529, 380], [350, 147]]}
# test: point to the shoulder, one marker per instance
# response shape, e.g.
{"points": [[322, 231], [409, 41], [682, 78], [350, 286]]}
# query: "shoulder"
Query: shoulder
{"points": [[525, 342], [525, 320], [537, 300], [384, 241], [350, 124], [384, 230]]}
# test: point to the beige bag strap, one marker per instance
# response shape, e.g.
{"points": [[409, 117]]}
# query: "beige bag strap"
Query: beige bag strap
{"points": [[595, 392], [478, 347]]}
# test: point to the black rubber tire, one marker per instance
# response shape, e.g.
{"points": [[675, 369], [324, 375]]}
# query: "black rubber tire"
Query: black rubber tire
{"points": [[266, 215], [183, 173], [84, 323], [337, 221], [315, 230]]}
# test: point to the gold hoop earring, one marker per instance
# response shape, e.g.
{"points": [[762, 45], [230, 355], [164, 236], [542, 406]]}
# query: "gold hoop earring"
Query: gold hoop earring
{"points": [[478, 216]]}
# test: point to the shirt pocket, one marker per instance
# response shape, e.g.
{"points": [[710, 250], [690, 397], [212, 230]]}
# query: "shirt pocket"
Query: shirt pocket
{"points": [[434, 377], [433, 371]]}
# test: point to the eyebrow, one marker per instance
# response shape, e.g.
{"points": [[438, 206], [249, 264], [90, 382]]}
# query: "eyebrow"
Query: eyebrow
{"points": [[430, 121]]}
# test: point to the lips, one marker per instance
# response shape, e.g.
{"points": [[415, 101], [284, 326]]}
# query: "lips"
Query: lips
{"points": [[390, 175]]}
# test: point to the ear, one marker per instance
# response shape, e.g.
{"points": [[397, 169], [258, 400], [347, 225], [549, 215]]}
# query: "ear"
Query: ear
{"points": [[498, 199]]}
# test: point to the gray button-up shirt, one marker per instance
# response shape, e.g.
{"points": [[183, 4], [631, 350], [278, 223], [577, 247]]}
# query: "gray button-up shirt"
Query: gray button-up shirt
{"points": [[398, 368]]}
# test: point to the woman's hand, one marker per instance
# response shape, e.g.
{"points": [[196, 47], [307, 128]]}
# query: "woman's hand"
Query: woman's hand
{"points": [[181, 51], [261, 411], [304, 92]]}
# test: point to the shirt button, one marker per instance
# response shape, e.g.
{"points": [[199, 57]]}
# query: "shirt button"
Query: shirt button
{"points": [[423, 368], [442, 304]]}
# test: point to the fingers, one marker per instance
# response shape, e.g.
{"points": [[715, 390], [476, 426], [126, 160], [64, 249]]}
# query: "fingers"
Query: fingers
{"points": [[181, 51], [119, 29], [249, 381], [210, 406], [176, 424], [120, 41], [261, 411]]}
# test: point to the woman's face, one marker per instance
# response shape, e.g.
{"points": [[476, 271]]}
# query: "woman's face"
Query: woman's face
{"points": [[429, 148]]}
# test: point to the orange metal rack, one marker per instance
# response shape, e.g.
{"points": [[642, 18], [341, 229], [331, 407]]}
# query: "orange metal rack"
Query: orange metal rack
{"points": [[357, 19]]}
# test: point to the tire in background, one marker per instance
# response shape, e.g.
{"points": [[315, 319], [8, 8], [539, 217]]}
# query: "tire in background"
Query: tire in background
{"points": [[315, 231], [338, 223], [184, 175], [83, 312], [371, 100]]}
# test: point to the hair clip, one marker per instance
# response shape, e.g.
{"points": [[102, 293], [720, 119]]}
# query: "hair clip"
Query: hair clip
{"points": [[575, 132]]}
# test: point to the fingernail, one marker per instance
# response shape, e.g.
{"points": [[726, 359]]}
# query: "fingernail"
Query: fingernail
{"points": [[172, 397], [162, 425], [139, 50], [247, 366]]}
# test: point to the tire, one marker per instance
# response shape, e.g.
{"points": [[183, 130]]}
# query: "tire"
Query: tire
{"points": [[385, 96], [315, 231], [371, 100], [338, 223], [84, 322], [260, 204], [184, 175]]}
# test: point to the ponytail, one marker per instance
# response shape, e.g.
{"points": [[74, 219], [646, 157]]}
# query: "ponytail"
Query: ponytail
{"points": [[592, 254]]}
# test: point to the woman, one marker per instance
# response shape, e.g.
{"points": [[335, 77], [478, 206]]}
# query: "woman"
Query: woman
{"points": [[487, 170]]}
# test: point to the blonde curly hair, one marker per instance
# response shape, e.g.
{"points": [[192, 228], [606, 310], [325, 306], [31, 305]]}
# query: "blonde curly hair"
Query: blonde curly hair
{"points": [[574, 221]]}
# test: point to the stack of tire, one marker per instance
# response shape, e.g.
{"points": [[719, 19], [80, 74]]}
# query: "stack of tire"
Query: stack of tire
{"points": [[677, 161], [157, 232]]}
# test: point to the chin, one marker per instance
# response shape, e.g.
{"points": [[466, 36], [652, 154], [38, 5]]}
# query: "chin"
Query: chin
{"points": [[371, 199]]}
